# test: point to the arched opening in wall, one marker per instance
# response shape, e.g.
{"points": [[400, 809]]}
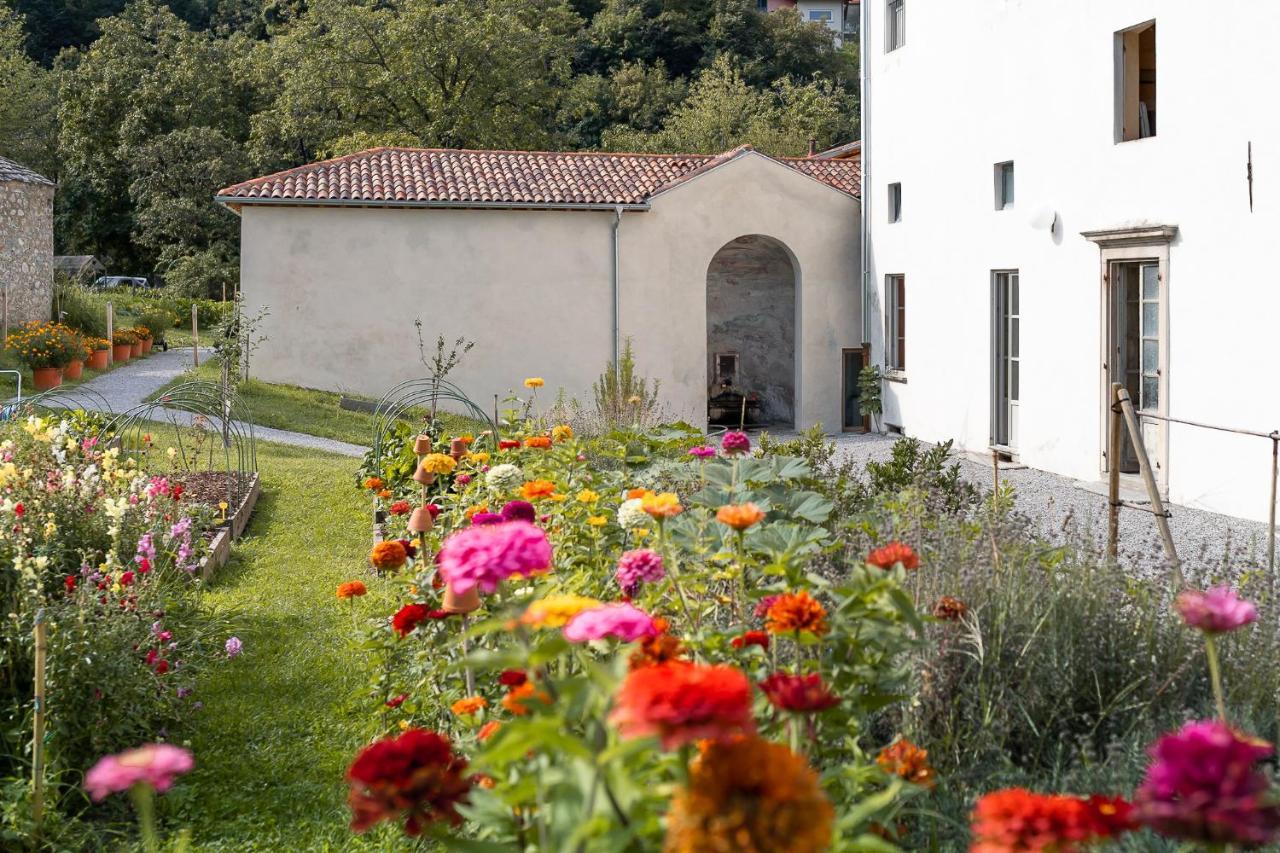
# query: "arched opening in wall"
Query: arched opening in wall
{"points": [[751, 333]]}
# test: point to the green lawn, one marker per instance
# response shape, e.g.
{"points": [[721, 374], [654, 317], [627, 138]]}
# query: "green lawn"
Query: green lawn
{"points": [[281, 722]]}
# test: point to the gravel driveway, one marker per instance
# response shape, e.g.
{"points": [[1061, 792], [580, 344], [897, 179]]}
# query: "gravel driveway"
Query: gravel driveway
{"points": [[1210, 545]]}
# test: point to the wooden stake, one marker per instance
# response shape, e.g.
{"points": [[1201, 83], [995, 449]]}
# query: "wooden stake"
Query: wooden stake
{"points": [[195, 334], [37, 744], [1148, 478], [995, 471], [5, 331], [1271, 523], [111, 333], [1113, 475]]}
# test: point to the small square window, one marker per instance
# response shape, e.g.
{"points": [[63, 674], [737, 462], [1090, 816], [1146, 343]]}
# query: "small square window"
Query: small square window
{"points": [[895, 25], [895, 202], [821, 16], [1004, 185]]}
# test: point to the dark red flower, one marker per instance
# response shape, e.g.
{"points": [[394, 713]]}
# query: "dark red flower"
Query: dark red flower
{"points": [[144, 566], [397, 701], [400, 508], [415, 775], [506, 444], [434, 509], [408, 617], [409, 550], [126, 579], [70, 582], [803, 693], [162, 667], [893, 553], [19, 510], [752, 638], [763, 605], [512, 677], [178, 489], [152, 654]]}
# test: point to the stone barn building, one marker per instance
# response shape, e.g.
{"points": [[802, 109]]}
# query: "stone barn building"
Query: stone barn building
{"points": [[26, 242], [732, 274]]}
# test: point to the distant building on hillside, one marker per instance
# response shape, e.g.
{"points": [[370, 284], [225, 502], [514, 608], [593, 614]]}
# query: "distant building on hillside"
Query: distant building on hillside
{"points": [[26, 242], [1136, 248], [839, 16], [78, 268]]}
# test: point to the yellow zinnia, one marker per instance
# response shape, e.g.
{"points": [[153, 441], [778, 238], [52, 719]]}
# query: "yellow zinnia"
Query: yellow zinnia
{"points": [[587, 496], [438, 463], [597, 520], [664, 505], [534, 382], [561, 432], [555, 611]]}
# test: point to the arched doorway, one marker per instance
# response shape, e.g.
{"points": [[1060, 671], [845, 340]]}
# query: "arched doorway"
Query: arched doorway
{"points": [[751, 332]]}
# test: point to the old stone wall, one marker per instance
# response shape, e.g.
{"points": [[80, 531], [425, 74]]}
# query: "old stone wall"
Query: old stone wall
{"points": [[26, 249], [751, 310]]}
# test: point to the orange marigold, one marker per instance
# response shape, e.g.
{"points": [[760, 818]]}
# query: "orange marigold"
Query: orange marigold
{"points": [[740, 516], [516, 698], [537, 489], [351, 589], [475, 509], [797, 611], [659, 648], [541, 442], [747, 794], [683, 702], [904, 759], [488, 729], [664, 505], [949, 609], [632, 494], [384, 494], [893, 553], [388, 555], [373, 484], [469, 705]]}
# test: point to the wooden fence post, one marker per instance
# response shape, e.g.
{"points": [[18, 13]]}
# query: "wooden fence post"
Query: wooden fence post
{"points": [[1148, 478], [1114, 451], [5, 339], [195, 335], [37, 744], [111, 323], [1271, 525]]}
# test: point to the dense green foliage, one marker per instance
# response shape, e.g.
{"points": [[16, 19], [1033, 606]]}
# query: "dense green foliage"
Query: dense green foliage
{"points": [[143, 110]]}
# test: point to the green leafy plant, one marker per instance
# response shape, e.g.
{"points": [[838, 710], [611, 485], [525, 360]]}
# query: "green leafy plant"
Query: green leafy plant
{"points": [[622, 396]]}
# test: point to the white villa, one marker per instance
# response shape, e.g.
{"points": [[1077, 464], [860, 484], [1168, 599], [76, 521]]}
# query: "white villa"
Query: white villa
{"points": [[1058, 195]]}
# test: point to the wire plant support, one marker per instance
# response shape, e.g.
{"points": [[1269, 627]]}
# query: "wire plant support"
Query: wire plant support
{"points": [[428, 393]]}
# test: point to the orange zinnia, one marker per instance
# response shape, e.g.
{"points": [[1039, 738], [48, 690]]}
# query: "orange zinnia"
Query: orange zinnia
{"points": [[904, 759], [659, 648], [740, 516], [469, 705], [488, 729], [537, 489], [797, 611], [515, 699], [384, 494], [894, 552], [388, 555], [683, 702], [541, 442], [373, 484], [351, 589], [632, 494], [664, 505]]}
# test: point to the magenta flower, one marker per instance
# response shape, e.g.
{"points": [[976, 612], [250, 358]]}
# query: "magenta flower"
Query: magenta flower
{"points": [[480, 519], [486, 556], [763, 605], [735, 442], [234, 647], [1216, 611], [639, 566], [623, 621], [519, 511], [155, 765], [1203, 785], [703, 452]]}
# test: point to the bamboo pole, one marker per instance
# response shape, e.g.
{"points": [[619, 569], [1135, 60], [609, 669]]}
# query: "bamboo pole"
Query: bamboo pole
{"points": [[38, 728], [195, 335], [1113, 474], [5, 332], [1148, 479], [111, 333], [1271, 522]]}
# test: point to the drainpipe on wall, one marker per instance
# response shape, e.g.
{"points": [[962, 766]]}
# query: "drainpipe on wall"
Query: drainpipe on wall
{"points": [[617, 220], [864, 96]]}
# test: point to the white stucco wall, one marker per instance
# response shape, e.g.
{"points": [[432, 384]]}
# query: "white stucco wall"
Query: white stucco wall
{"points": [[979, 83], [533, 288]]}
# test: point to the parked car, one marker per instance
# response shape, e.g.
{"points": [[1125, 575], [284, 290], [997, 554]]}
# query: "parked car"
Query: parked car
{"points": [[110, 282]]}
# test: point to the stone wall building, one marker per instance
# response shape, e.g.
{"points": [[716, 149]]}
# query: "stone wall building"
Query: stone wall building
{"points": [[26, 242]]}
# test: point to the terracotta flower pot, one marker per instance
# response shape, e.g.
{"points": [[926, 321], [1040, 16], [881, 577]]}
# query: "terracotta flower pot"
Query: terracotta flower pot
{"points": [[461, 602], [422, 445], [423, 476], [457, 448], [47, 377], [146, 345], [99, 359], [73, 369], [135, 350], [421, 521], [121, 352]]}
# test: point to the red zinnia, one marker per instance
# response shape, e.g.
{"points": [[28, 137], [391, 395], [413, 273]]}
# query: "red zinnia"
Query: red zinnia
{"points": [[400, 508], [397, 701], [803, 693], [1014, 820], [682, 702], [512, 677], [894, 552], [71, 583], [752, 638], [408, 617], [508, 444], [126, 578], [415, 775]]}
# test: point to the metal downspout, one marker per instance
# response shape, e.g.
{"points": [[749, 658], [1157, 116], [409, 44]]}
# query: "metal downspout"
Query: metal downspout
{"points": [[865, 162], [617, 221]]}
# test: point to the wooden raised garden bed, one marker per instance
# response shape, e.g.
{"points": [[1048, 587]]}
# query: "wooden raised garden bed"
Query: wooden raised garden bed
{"points": [[210, 488]]}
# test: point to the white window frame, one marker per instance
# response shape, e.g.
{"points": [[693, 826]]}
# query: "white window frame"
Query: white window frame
{"points": [[895, 315], [895, 25]]}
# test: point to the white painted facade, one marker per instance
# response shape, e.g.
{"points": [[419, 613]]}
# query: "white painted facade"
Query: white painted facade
{"points": [[979, 83]]}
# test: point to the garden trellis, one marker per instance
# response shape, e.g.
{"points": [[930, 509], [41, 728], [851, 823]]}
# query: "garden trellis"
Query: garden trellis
{"points": [[420, 393]]}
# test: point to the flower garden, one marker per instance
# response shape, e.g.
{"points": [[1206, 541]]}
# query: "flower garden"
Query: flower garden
{"points": [[635, 639]]}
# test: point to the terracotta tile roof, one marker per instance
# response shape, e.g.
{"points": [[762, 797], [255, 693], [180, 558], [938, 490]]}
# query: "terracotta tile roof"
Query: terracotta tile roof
{"points": [[413, 176], [11, 171]]}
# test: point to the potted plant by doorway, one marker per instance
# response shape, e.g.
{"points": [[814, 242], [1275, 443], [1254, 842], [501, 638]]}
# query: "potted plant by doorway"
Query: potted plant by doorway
{"points": [[122, 342], [44, 347], [99, 353]]}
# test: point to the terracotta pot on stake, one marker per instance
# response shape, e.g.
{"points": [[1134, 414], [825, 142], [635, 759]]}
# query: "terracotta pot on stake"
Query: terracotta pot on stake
{"points": [[421, 521], [461, 602], [426, 478], [457, 449], [422, 445]]}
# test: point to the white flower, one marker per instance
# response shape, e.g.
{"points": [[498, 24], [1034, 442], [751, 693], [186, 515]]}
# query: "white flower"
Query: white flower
{"points": [[631, 516], [504, 478]]}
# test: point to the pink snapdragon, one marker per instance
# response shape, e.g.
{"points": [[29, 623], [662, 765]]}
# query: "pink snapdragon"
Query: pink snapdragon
{"points": [[155, 765], [1203, 784], [623, 621], [486, 556], [1217, 611]]}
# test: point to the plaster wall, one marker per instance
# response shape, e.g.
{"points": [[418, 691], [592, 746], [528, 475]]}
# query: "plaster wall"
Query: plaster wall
{"points": [[1038, 82]]}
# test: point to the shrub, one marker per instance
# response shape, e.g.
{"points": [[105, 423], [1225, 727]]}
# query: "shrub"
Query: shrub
{"points": [[41, 345], [80, 308]]}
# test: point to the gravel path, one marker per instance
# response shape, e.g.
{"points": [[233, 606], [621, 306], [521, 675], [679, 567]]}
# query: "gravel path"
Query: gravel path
{"points": [[1210, 545], [130, 384]]}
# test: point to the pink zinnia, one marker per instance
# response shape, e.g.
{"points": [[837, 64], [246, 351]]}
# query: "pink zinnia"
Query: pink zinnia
{"points": [[642, 565], [763, 605], [486, 556], [1215, 611], [703, 452], [735, 442], [1203, 785], [623, 621], [156, 765]]}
